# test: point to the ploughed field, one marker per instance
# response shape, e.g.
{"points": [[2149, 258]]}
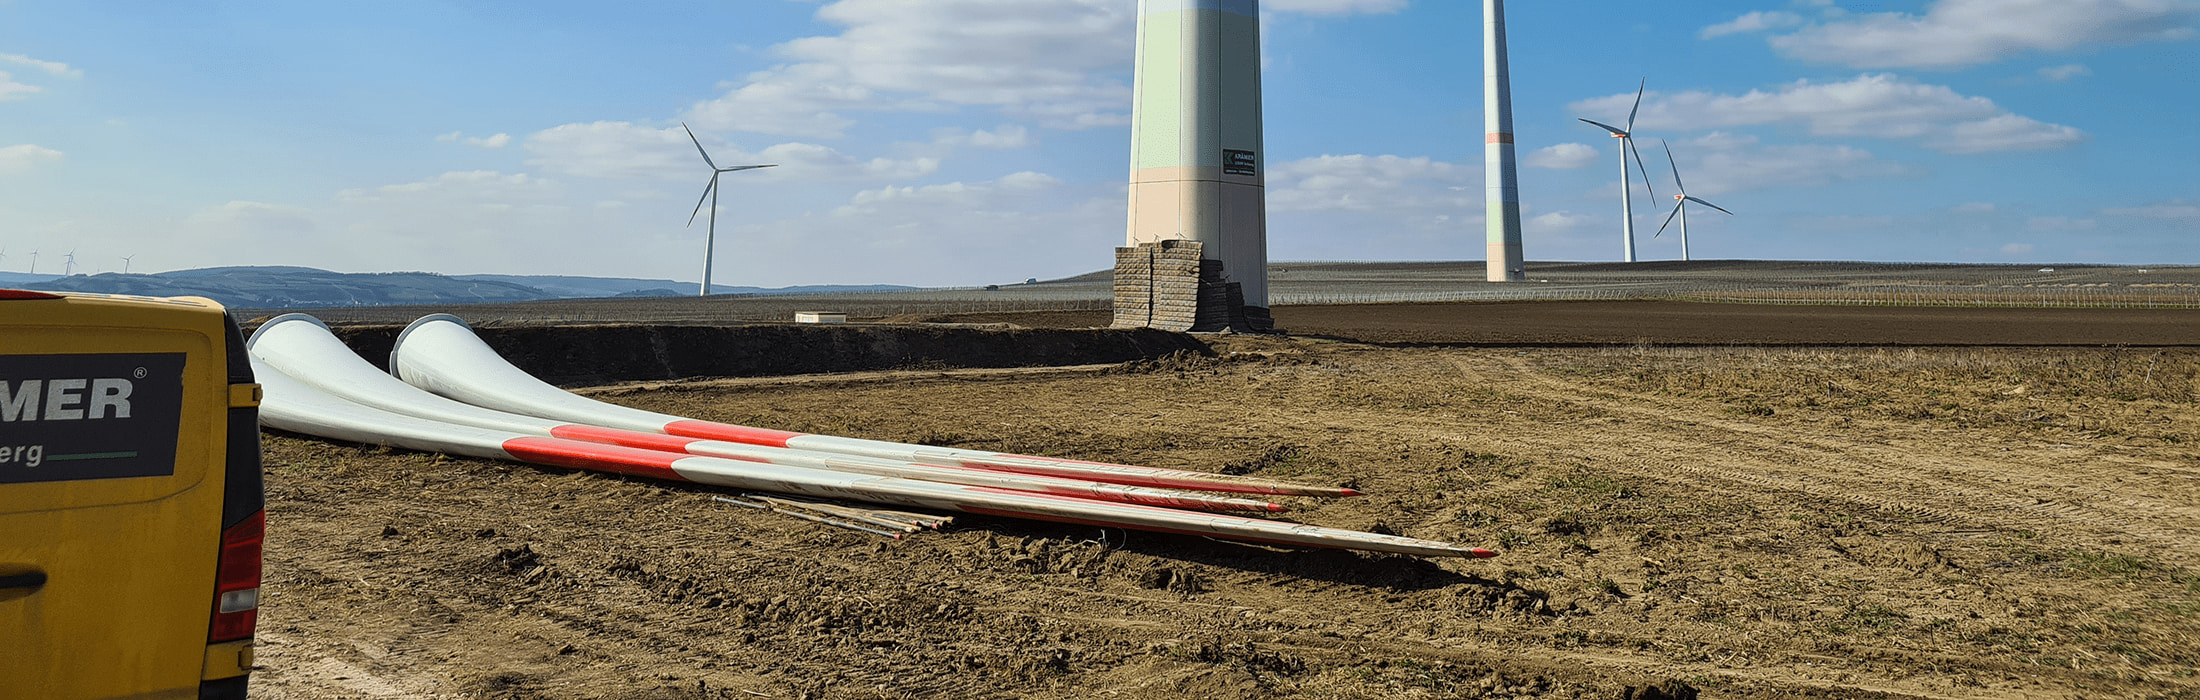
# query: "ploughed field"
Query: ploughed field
{"points": [[1790, 519]]}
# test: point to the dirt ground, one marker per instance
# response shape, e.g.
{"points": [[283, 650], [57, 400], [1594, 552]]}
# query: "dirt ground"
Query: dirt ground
{"points": [[1732, 521]]}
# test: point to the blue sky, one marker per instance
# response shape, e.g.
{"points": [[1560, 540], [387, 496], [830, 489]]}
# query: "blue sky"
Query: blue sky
{"points": [[950, 142]]}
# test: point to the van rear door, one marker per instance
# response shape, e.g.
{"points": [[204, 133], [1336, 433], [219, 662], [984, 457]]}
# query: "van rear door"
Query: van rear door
{"points": [[112, 426]]}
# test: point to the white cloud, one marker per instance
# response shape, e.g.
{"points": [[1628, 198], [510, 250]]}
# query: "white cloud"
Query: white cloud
{"points": [[58, 70], [1007, 136], [2004, 133], [2174, 209], [11, 90], [1752, 22], [21, 158], [1334, 7], [1565, 156], [2065, 72], [1052, 62], [1414, 187], [1958, 33], [1720, 163], [1055, 63], [2058, 224], [497, 141], [2016, 249], [1879, 106], [1974, 208], [1558, 221], [624, 150]]}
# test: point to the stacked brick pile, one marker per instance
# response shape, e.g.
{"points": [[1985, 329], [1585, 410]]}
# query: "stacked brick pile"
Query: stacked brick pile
{"points": [[1166, 285]]}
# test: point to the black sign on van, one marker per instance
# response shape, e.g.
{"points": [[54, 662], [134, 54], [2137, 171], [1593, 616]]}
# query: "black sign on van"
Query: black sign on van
{"points": [[1240, 163], [75, 417]]}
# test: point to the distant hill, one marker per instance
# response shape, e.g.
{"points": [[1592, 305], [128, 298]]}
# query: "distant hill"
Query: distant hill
{"points": [[305, 287], [16, 280]]}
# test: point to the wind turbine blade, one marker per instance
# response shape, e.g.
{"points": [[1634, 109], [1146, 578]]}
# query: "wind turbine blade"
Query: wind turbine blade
{"points": [[1638, 103], [706, 198], [739, 168], [1669, 219], [1616, 131], [699, 146], [1640, 166], [1708, 204], [1676, 166]]}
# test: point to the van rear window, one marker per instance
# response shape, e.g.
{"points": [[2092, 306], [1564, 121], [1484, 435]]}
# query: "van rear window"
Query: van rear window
{"points": [[98, 416]]}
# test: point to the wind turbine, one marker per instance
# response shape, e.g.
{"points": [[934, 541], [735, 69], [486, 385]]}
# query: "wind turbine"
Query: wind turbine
{"points": [[1680, 202], [1626, 190], [710, 194], [126, 263], [68, 267], [34, 261]]}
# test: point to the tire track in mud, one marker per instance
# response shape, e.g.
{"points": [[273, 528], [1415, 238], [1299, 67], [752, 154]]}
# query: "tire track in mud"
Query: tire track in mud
{"points": [[1920, 485]]}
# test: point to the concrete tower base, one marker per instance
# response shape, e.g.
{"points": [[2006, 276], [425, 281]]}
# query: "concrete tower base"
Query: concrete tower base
{"points": [[1169, 285]]}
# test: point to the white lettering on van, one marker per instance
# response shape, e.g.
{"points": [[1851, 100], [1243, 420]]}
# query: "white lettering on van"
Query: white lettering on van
{"points": [[110, 395], [64, 399], [60, 395], [22, 403], [30, 456]]}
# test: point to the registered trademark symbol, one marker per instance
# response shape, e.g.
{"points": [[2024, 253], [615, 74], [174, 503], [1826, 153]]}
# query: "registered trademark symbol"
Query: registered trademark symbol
{"points": [[139, 373]]}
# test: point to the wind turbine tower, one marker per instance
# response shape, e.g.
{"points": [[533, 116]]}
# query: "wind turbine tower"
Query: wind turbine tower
{"points": [[1626, 189], [710, 194], [68, 266], [1507, 262], [34, 261], [1680, 202], [126, 263], [1198, 189]]}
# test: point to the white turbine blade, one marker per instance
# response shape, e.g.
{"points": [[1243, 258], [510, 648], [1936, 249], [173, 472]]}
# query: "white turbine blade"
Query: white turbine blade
{"points": [[706, 198], [1616, 131], [1638, 103], [1676, 167], [699, 146], [1708, 204], [1669, 219], [1640, 166], [739, 168]]}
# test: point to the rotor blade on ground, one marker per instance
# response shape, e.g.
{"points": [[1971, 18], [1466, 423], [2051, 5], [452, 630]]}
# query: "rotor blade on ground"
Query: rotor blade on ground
{"points": [[1638, 104], [699, 146], [302, 347], [1669, 219], [441, 354], [294, 406], [1708, 204], [706, 197], [1616, 131]]}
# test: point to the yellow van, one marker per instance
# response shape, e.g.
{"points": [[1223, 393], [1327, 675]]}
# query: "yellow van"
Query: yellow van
{"points": [[131, 511]]}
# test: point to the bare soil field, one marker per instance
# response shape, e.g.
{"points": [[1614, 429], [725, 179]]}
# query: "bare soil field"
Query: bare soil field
{"points": [[1704, 521]]}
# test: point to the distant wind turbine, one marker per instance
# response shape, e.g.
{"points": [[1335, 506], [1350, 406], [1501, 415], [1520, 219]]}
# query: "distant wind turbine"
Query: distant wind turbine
{"points": [[710, 194], [1626, 190], [1680, 202], [126, 263], [34, 261], [68, 266]]}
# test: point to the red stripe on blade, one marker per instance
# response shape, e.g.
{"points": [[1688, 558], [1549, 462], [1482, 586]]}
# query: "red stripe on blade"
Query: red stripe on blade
{"points": [[594, 457], [731, 433], [628, 438]]}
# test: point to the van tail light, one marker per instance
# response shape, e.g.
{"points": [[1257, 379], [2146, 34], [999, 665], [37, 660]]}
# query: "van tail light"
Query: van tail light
{"points": [[237, 583]]}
